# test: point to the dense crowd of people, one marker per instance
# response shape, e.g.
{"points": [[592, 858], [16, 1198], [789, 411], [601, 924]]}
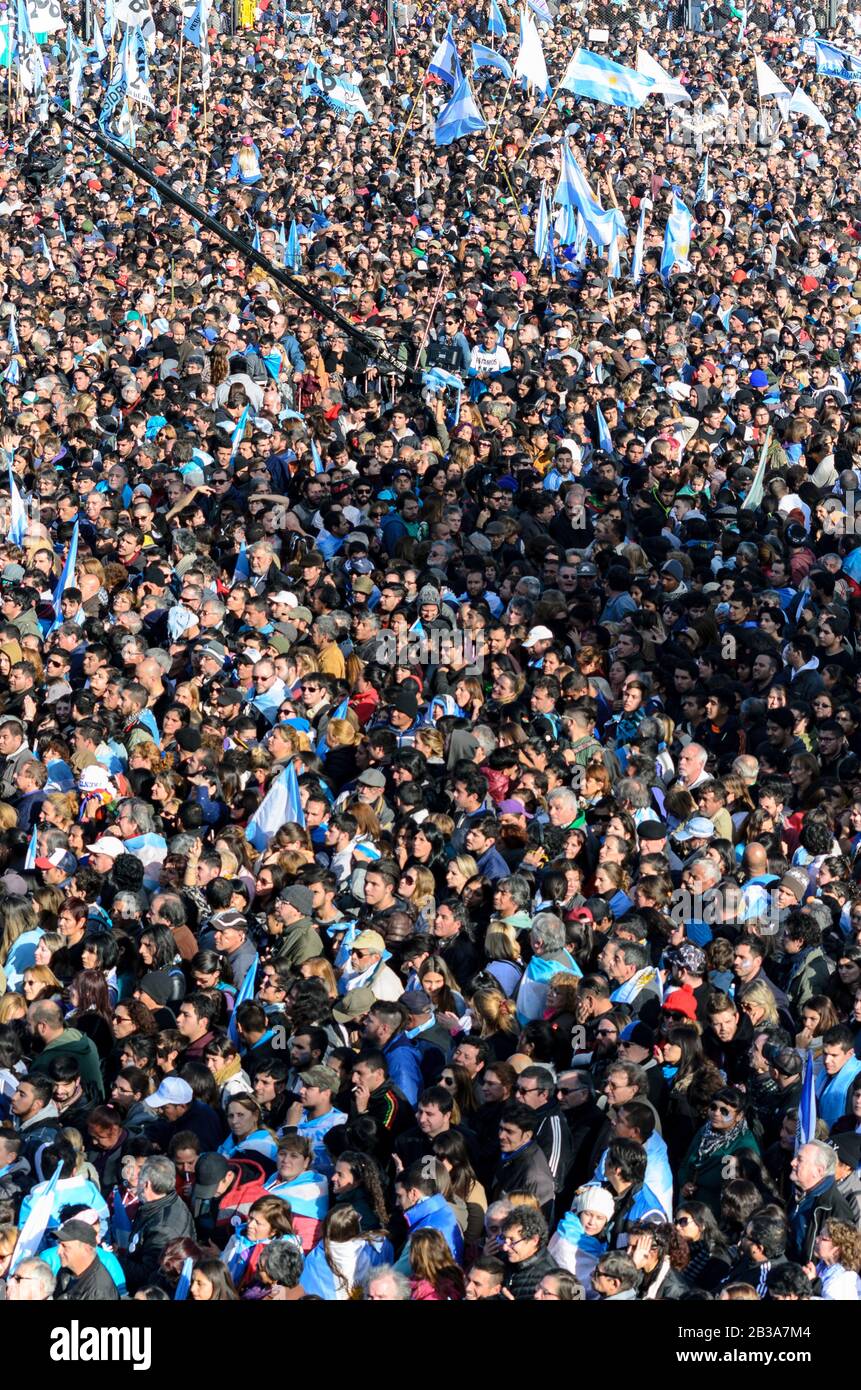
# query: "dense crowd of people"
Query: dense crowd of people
{"points": [[430, 796]]}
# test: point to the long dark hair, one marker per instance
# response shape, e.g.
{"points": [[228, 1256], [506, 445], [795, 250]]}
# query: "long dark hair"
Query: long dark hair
{"points": [[450, 1146], [367, 1175], [92, 991], [704, 1217], [343, 1223], [223, 1287]]}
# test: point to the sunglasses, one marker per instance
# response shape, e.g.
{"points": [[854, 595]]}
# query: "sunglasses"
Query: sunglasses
{"points": [[723, 1110]]}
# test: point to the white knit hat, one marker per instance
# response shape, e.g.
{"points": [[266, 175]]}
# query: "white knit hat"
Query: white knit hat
{"points": [[595, 1198]]}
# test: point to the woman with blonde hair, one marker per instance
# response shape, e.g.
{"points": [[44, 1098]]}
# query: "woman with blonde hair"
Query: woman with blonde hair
{"points": [[188, 694], [12, 1007], [757, 1001], [40, 982], [8, 816], [418, 887], [320, 969], [59, 809], [497, 1019], [340, 763], [459, 872], [502, 948]]}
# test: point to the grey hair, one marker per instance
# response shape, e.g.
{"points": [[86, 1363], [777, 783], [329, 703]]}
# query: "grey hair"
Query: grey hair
{"points": [[186, 541], [485, 738], [565, 795], [326, 626], [826, 1156], [160, 1173], [141, 813], [42, 1273], [161, 657], [400, 1281], [548, 931], [517, 886], [632, 790]]}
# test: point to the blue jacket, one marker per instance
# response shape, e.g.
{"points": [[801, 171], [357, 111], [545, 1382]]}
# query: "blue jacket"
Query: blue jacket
{"points": [[832, 1091], [432, 1213], [492, 865], [403, 1062]]}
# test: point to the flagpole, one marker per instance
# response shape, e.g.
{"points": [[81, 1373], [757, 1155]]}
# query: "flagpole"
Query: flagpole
{"points": [[179, 70], [433, 308], [10, 35], [492, 144], [409, 121], [541, 119]]}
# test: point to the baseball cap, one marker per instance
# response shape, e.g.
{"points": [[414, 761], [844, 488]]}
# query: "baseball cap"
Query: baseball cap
{"points": [[211, 1169], [325, 1077], [416, 1001], [538, 634], [77, 1230], [109, 845], [172, 1091], [369, 941], [62, 859], [355, 1003], [680, 1001], [689, 956], [697, 828]]}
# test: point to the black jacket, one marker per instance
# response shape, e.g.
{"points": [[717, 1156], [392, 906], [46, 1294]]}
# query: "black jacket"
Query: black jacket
{"points": [[95, 1285], [553, 1138], [526, 1171], [829, 1205], [460, 956], [523, 1279], [155, 1225]]}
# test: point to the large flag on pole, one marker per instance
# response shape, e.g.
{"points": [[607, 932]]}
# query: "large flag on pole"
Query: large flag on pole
{"points": [[572, 190], [757, 488], [246, 992], [484, 57], [670, 88], [67, 578], [531, 64], [445, 63], [460, 117], [805, 1128], [768, 84], [639, 246], [32, 1233], [596, 78], [677, 239], [542, 226], [801, 105], [282, 803], [495, 23], [18, 514]]}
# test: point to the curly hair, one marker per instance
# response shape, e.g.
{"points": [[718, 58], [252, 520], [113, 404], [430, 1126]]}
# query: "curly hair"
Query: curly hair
{"points": [[848, 1242]]}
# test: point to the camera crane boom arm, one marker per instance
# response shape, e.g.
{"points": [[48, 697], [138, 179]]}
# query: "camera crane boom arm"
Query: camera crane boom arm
{"points": [[373, 350]]}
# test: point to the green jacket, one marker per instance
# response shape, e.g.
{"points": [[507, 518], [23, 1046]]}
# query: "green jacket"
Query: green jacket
{"points": [[714, 1171], [299, 942], [71, 1043]]}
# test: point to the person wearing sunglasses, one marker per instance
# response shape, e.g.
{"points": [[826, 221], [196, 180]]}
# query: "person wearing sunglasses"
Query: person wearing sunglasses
{"points": [[705, 1168]]}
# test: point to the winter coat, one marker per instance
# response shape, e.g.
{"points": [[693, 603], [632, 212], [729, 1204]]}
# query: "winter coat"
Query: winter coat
{"points": [[155, 1225]]}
